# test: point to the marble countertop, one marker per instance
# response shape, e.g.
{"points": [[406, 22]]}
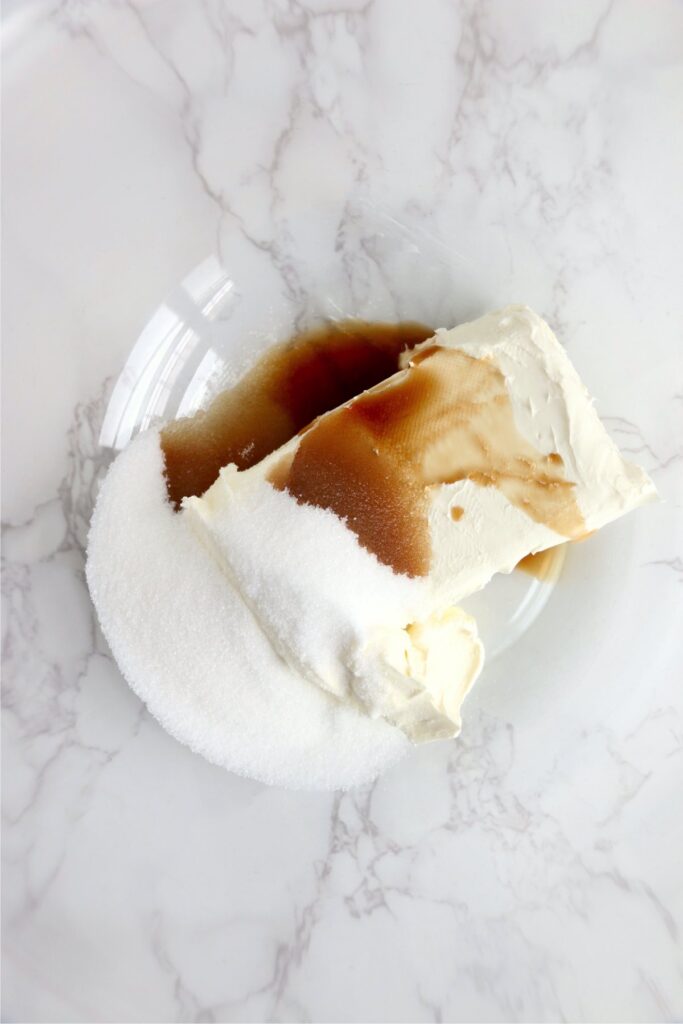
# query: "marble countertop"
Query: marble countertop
{"points": [[531, 870]]}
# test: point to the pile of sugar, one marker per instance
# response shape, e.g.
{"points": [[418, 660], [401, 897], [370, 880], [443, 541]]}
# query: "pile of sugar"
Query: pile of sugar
{"points": [[193, 652], [320, 597]]}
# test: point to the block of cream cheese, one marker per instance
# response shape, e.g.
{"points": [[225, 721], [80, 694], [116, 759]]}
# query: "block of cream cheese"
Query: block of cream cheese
{"points": [[354, 542]]}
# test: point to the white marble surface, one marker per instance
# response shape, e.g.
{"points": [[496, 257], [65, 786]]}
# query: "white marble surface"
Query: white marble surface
{"points": [[530, 871]]}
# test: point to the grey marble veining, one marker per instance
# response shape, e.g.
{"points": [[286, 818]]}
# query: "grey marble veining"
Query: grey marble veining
{"points": [[530, 871]]}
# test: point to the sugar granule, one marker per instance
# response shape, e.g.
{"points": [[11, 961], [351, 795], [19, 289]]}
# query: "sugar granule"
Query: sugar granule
{"points": [[193, 652]]}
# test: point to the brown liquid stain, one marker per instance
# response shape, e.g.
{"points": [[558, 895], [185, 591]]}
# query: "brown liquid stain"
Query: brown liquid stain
{"points": [[544, 565], [457, 512], [280, 396], [447, 418]]}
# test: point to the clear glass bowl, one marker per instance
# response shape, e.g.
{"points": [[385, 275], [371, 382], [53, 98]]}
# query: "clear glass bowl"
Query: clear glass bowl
{"points": [[363, 264]]}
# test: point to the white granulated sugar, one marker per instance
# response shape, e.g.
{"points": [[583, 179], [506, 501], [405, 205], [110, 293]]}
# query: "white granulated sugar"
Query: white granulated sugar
{"points": [[193, 652], [312, 586]]}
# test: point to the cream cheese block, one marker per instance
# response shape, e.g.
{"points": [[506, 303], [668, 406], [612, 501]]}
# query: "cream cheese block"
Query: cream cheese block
{"points": [[354, 543]]}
